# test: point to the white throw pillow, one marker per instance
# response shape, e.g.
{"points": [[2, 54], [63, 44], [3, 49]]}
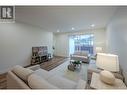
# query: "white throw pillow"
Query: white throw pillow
{"points": [[107, 77], [37, 82], [21, 72]]}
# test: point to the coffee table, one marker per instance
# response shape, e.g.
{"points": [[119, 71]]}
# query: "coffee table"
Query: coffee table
{"points": [[74, 65]]}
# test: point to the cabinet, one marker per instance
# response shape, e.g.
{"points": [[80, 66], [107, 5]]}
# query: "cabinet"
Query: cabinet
{"points": [[39, 55]]}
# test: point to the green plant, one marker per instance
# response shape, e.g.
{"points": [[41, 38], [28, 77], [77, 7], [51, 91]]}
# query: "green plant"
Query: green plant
{"points": [[76, 62]]}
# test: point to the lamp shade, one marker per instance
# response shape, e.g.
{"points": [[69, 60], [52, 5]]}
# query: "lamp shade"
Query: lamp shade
{"points": [[108, 62]]}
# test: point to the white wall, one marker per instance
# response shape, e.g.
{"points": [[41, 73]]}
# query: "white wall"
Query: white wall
{"points": [[16, 42], [61, 45], [62, 40], [54, 42], [117, 36]]}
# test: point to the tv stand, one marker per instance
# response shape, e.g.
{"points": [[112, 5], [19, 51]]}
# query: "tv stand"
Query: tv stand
{"points": [[39, 59], [39, 55]]}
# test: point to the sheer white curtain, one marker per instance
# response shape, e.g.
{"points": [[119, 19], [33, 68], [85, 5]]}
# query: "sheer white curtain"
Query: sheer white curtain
{"points": [[71, 45]]}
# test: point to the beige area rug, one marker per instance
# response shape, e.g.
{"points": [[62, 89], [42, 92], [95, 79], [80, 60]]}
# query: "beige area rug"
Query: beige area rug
{"points": [[53, 63], [63, 71]]}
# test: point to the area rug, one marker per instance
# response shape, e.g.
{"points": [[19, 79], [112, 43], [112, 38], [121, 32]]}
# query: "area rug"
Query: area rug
{"points": [[62, 70], [53, 63]]}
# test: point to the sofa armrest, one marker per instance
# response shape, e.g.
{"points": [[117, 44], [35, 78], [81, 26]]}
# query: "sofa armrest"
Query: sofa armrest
{"points": [[35, 67], [14, 82], [81, 84], [119, 76]]}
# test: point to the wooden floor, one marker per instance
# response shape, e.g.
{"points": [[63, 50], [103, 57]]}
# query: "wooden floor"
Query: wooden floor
{"points": [[3, 81]]}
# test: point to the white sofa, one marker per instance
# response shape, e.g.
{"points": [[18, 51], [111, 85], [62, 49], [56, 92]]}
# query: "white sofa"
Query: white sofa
{"points": [[24, 78], [80, 56]]}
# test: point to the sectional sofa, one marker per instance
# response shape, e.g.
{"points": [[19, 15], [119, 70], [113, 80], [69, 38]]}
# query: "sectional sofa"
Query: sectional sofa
{"points": [[37, 78]]}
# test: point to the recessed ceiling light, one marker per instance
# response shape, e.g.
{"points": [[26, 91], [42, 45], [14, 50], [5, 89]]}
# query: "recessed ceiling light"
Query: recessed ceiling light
{"points": [[92, 25], [73, 28], [58, 30]]}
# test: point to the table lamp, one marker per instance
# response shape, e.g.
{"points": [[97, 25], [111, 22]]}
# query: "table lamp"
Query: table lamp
{"points": [[108, 62]]}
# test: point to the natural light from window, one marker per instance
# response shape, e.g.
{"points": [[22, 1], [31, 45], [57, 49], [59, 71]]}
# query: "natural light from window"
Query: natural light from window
{"points": [[81, 43]]}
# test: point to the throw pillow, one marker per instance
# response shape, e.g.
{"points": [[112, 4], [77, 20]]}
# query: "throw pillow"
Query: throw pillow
{"points": [[107, 77], [21, 72], [37, 82]]}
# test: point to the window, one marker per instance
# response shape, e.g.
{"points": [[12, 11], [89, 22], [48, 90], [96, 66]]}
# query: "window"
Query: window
{"points": [[81, 43]]}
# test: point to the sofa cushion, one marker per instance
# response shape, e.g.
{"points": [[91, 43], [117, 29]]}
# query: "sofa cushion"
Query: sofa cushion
{"points": [[58, 81], [37, 82], [45, 74], [22, 73], [62, 82]]}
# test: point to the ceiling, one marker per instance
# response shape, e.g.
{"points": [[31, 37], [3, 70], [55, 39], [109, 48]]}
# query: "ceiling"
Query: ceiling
{"points": [[63, 18]]}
